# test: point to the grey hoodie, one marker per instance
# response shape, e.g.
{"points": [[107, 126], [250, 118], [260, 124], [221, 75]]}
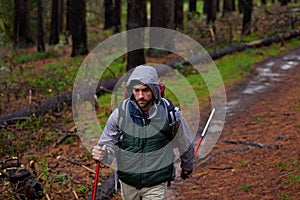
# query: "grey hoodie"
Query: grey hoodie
{"points": [[112, 134], [146, 75]]}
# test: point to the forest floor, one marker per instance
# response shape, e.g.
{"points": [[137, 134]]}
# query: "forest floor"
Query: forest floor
{"points": [[257, 155]]}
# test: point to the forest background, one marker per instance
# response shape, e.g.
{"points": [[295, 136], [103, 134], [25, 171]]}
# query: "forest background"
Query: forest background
{"points": [[43, 43]]}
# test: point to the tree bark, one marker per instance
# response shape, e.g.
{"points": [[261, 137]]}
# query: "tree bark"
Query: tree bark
{"points": [[178, 13], [54, 29], [117, 16], [61, 14], [156, 20], [211, 10], [78, 28], [240, 6], [192, 6], [247, 15], [68, 21], [227, 7], [162, 15], [136, 18], [22, 34], [284, 2], [233, 5], [108, 14], [41, 27]]}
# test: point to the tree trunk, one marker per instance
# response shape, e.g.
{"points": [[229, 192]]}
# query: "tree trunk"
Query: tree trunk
{"points": [[136, 18], [61, 14], [240, 6], [108, 14], [233, 5], [54, 29], [227, 7], [78, 28], [22, 34], [218, 5], [162, 15], [211, 10], [192, 6], [169, 15], [156, 20], [41, 27], [263, 2], [169, 19], [284, 2], [247, 15], [178, 13], [68, 21], [117, 16]]}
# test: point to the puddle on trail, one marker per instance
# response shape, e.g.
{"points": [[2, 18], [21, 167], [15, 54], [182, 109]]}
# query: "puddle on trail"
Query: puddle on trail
{"points": [[267, 74]]}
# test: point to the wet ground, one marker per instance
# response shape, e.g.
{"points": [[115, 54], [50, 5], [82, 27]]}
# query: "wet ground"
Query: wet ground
{"points": [[258, 153]]}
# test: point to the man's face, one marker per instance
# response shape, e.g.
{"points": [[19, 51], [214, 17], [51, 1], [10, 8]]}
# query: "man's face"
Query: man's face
{"points": [[143, 96]]}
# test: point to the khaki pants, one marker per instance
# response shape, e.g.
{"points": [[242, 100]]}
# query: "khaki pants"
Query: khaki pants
{"points": [[157, 192]]}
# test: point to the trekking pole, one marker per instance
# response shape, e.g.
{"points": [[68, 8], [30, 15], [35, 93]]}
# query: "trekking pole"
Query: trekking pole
{"points": [[204, 131], [96, 180]]}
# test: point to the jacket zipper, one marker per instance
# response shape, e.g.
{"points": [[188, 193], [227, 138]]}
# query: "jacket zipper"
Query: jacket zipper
{"points": [[143, 151]]}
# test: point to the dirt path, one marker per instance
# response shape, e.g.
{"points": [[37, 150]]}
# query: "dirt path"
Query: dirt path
{"points": [[268, 116]]}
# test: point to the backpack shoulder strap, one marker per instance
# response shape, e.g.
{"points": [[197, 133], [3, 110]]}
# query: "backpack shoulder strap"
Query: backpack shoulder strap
{"points": [[171, 110], [122, 112]]}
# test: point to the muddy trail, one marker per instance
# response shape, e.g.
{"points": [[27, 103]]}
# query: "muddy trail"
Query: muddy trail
{"points": [[258, 154]]}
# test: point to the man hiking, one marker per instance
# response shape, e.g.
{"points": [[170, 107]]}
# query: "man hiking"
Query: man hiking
{"points": [[142, 135]]}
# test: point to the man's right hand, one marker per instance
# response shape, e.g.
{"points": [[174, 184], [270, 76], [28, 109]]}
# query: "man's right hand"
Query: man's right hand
{"points": [[98, 152]]}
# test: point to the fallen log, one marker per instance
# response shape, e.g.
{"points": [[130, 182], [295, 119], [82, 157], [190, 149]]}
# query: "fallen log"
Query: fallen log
{"points": [[52, 104], [56, 103]]}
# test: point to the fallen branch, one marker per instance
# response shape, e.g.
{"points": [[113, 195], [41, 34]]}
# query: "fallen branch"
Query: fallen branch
{"points": [[206, 160], [47, 196], [71, 132], [221, 168], [75, 194], [239, 149], [79, 164], [255, 144]]}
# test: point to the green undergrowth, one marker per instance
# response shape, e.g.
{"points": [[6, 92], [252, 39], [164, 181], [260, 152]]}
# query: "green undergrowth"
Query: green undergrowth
{"points": [[290, 182], [231, 67], [58, 76]]}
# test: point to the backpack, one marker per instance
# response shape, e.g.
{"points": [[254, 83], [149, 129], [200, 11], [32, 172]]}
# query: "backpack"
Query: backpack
{"points": [[173, 120]]}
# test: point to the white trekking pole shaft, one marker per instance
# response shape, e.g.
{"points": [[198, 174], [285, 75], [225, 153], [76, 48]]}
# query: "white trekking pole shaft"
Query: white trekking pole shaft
{"points": [[204, 131]]}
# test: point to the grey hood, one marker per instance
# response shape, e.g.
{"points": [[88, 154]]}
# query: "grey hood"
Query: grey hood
{"points": [[146, 75]]}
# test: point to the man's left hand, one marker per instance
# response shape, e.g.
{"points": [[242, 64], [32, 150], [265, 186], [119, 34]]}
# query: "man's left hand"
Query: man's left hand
{"points": [[185, 174]]}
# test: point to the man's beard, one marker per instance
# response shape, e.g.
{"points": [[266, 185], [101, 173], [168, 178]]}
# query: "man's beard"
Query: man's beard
{"points": [[145, 103]]}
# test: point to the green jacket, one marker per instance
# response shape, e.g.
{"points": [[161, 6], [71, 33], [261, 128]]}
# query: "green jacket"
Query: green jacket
{"points": [[146, 147]]}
